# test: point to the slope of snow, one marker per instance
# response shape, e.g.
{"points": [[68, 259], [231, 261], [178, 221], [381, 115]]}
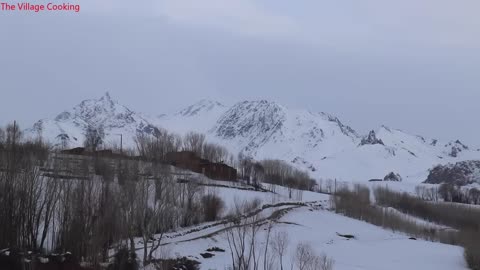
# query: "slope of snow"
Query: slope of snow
{"points": [[199, 117], [374, 248]]}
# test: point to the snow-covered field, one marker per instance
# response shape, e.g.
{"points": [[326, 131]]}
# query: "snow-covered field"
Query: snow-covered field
{"points": [[373, 247]]}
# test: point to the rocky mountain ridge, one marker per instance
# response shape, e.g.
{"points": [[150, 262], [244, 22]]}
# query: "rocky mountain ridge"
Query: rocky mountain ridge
{"points": [[314, 141]]}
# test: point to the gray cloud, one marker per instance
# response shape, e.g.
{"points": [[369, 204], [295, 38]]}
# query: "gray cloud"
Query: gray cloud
{"points": [[409, 65]]}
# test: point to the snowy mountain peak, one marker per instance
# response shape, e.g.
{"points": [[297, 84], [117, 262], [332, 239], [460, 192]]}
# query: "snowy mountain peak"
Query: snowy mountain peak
{"points": [[457, 143], [103, 111], [455, 147], [266, 129], [203, 105], [70, 126], [257, 118], [344, 128], [314, 141], [106, 97], [371, 139]]}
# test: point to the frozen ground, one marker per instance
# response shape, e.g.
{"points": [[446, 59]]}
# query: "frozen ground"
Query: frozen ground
{"points": [[373, 247]]}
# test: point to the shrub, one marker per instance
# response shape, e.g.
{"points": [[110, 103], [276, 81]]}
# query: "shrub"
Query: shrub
{"points": [[212, 207], [306, 259], [471, 244], [124, 260], [179, 263]]}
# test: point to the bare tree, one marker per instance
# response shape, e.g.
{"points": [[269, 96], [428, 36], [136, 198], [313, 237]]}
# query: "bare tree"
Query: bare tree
{"points": [[94, 137], [242, 238], [155, 147], [267, 262], [215, 153], [2, 136], [258, 174], [192, 192], [306, 259], [153, 210], [63, 140], [13, 134], [281, 173], [474, 196], [194, 142], [246, 167], [128, 195], [145, 214], [49, 206], [164, 210], [279, 245]]}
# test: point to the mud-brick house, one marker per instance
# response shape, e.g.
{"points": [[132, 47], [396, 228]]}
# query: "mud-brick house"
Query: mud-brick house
{"points": [[81, 151], [75, 151], [185, 160], [219, 171], [190, 161]]}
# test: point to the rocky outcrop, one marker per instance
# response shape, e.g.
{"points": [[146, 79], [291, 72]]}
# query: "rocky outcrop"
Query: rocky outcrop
{"points": [[371, 139], [460, 173], [455, 148], [392, 177]]}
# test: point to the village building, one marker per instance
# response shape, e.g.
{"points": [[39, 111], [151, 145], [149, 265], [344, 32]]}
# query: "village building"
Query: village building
{"points": [[190, 161]]}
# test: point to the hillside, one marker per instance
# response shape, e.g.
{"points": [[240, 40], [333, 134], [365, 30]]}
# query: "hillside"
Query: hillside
{"points": [[314, 141], [312, 223]]}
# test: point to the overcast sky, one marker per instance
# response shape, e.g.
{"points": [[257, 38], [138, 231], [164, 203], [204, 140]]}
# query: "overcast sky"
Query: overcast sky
{"points": [[413, 65]]}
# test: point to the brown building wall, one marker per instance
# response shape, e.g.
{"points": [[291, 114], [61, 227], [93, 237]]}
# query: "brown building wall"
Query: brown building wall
{"points": [[219, 171], [185, 160], [188, 160]]}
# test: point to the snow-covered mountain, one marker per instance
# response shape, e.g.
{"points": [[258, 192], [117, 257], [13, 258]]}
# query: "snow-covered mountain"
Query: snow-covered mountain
{"points": [[199, 117], [264, 129], [314, 141], [68, 128], [391, 150]]}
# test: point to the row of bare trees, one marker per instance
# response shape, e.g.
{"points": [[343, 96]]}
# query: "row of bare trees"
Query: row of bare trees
{"points": [[91, 206], [452, 193], [449, 193], [20, 189], [281, 173], [254, 172], [156, 146]]}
